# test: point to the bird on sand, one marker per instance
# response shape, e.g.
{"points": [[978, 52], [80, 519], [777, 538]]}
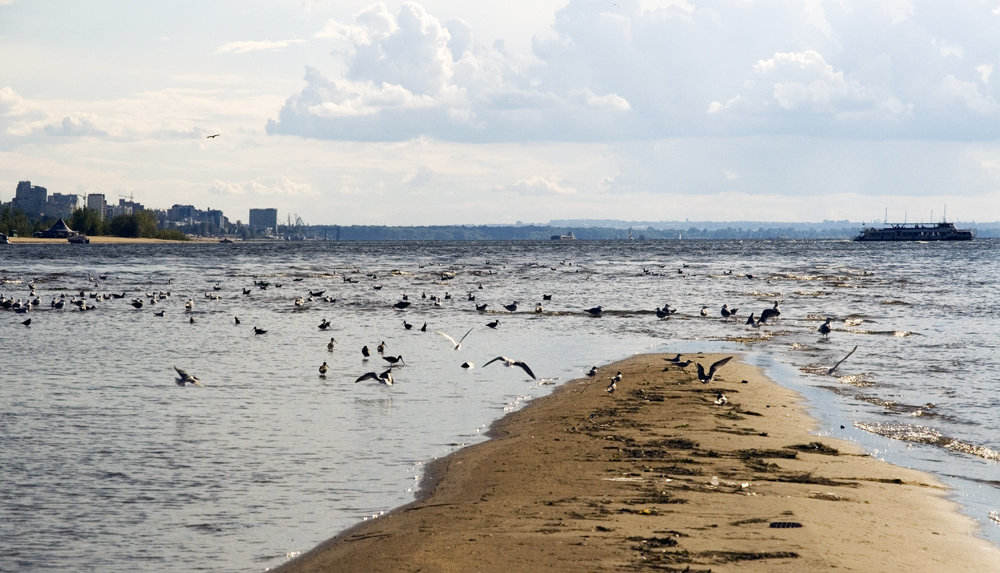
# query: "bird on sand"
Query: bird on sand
{"points": [[258, 330], [323, 368], [614, 382], [331, 344], [380, 377], [825, 328], [511, 362], [720, 399], [458, 344], [393, 359], [592, 372], [705, 378], [186, 378]]}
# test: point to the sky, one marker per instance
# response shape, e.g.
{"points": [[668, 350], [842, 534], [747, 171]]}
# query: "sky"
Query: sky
{"points": [[446, 112]]}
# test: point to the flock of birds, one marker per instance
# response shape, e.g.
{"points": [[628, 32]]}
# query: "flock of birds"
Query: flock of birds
{"points": [[86, 302]]}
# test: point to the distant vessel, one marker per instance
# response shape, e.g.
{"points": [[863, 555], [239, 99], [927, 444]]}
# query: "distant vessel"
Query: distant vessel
{"points": [[82, 239], [915, 232], [567, 237]]}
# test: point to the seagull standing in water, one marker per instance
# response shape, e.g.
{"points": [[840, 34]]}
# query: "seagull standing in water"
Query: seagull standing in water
{"points": [[331, 344], [323, 368], [825, 328], [511, 362], [705, 378]]}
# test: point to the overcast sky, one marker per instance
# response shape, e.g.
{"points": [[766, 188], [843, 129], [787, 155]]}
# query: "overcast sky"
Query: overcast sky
{"points": [[456, 112]]}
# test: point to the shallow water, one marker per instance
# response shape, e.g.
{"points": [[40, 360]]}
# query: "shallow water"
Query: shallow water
{"points": [[110, 465]]}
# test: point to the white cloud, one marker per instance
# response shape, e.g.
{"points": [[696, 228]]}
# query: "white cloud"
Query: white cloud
{"points": [[74, 127], [969, 95], [419, 177], [537, 185], [246, 46]]}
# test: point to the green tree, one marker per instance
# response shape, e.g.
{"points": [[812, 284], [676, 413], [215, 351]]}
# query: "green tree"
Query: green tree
{"points": [[86, 221]]}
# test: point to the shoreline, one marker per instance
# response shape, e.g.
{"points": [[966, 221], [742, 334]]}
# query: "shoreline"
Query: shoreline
{"points": [[658, 476], [105, 240]]}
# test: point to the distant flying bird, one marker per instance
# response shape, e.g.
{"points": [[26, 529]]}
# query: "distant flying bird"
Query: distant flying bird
{"points": [[458, 344], [213, 136], [381, 378], [510, 362], [186, 378], [706, 378]]}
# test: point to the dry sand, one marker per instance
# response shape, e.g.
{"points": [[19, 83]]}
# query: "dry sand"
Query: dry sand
{"points": [[657, 477]]}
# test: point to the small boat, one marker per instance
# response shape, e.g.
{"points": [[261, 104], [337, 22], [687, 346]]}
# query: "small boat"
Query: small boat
{"points": [[78, 239], [915, 232], [567, 237], [4, 240]]}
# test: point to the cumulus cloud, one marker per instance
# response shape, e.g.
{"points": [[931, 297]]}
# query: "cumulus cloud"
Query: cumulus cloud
{"points": [[628, 71], [538, 185], [74, 127], [419, 177], [262, 188]]}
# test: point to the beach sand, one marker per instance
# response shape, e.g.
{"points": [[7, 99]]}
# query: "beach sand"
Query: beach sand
{"points": [[657, 477]]}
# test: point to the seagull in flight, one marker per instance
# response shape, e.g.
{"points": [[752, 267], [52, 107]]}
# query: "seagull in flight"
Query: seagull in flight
{"points": [[186, 378], [511, 362], [381, 377], [458, 344], [706, 378], [213, 136]]}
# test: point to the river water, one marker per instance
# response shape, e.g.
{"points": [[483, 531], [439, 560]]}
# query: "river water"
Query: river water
{"points": [[110, 465]]}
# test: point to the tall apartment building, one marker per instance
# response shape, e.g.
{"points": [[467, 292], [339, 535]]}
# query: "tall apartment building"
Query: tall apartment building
{"points": [[97, 202], [30, 199], [263, 219]]}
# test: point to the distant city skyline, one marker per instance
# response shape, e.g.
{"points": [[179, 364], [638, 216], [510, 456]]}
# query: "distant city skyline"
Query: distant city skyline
{"points": [[445, 112]]}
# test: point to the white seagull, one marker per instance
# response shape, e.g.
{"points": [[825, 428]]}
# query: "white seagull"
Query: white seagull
{"points": [[458, 344], [511, 362], [186, 378], [381, 378]]}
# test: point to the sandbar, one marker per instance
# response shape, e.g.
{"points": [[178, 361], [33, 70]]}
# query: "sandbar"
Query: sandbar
{"points": [[660, 477]]}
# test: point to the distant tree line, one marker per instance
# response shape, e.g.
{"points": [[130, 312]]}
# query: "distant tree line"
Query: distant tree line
{"points": [[141, 224]]}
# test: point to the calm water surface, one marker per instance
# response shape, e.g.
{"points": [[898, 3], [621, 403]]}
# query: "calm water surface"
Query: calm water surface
{"points": [[108, 464]]}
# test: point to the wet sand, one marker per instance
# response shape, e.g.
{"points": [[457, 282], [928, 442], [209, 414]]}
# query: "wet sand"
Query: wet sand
{"points": [[658, 477]]}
